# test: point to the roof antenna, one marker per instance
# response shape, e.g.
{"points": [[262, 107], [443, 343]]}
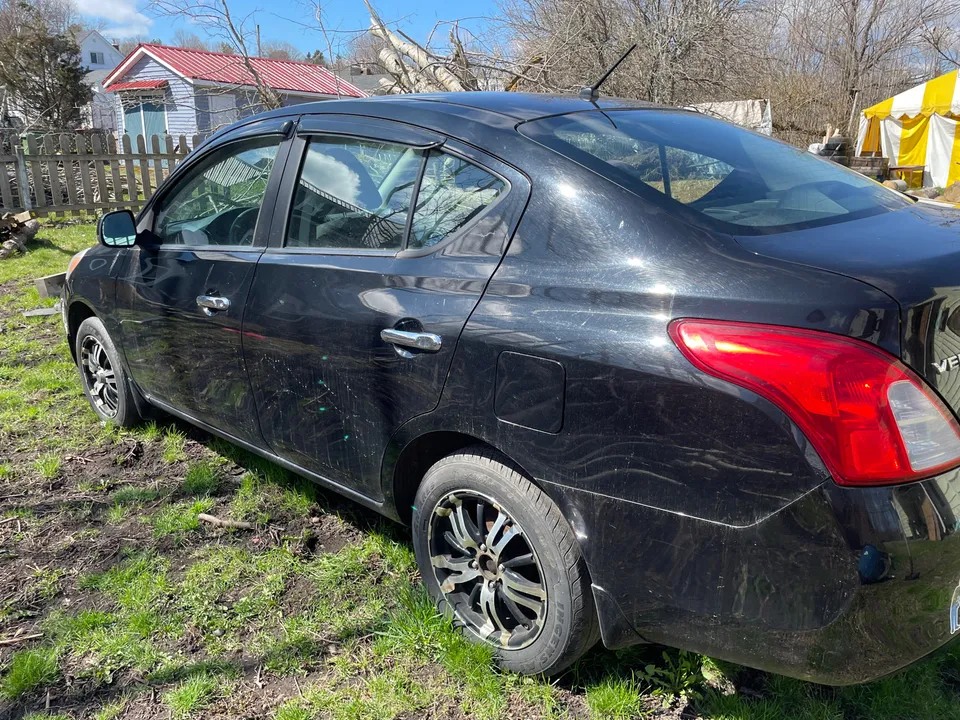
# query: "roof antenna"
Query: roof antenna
{"points": [[592, 92]]}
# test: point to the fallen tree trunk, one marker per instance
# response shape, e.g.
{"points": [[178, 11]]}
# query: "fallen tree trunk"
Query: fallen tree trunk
{"points": [[15, 232]]}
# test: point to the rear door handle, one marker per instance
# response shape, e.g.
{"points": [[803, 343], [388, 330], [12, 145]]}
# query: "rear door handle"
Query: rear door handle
{"points": [[212, 304], [424, 342]]}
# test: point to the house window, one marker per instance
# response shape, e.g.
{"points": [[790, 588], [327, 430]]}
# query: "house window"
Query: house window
{"points": [[96, 58]]}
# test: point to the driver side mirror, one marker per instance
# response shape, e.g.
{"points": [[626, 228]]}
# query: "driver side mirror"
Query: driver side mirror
{"points": [[117, 229]]}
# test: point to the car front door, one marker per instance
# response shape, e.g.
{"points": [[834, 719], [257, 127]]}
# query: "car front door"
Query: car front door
{"points": [[385, 237], [182, 298]]}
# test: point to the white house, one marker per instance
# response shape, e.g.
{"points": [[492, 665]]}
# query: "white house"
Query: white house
{"points": [[96, 52], [100, 57]]}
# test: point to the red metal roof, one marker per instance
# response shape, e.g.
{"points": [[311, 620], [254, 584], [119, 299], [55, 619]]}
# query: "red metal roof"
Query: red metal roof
{"points": [[288, 75], [138, 85]]}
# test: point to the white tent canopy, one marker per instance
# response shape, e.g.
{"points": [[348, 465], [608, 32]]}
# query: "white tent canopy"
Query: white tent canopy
{"points": [[917, 127]]}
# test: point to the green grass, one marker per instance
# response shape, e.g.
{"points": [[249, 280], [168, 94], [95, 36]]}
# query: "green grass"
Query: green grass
{"points": [[615, 697], [180, 518], [354, 627], [150, 431], [191, 695], [174, 445], [201, 479], [48, 466], [29, 670], [47, 582], [111, 710], [41, 405], [293, 710]]}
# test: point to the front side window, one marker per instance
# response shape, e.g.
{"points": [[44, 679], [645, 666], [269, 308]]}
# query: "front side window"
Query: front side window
{"points": [[353, 194], [96, 58], [713, 172], [452, 193], [218, 202]]}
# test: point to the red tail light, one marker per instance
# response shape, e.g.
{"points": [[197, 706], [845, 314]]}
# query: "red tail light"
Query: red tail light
{"points": [[871, 419]]}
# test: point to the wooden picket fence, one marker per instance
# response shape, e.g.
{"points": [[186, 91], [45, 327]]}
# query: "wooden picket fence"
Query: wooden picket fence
{"points": [[67, 174]]}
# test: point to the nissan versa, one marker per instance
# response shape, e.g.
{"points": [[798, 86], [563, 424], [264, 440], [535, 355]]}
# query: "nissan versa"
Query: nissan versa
{"points": [[630, 373]]}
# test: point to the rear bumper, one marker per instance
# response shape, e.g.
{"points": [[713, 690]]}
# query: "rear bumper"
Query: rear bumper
{"points": [[841, 586]]}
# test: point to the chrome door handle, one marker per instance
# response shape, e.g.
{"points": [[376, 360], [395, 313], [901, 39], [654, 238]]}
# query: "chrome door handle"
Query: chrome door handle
{"points": [[212, 304], [425, 342]]}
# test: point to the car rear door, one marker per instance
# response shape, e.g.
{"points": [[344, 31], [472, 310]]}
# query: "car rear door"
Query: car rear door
{"points": [[358, 303], [181, 298]]}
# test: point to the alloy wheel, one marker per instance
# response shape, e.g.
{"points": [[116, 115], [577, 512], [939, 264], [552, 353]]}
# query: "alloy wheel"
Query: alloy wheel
{"points": [[487, 569], [99, 376]]}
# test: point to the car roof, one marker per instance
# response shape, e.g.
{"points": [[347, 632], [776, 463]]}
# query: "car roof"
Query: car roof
{"points": [[523, 106], [517, 106]]}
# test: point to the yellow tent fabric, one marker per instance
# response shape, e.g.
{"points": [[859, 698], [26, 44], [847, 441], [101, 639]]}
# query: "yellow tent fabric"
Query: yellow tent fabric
{"points": [[918, 127], [940, 96]]}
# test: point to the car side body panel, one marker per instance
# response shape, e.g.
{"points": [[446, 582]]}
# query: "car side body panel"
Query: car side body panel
{"points": [[706, 519], [330, 391]]}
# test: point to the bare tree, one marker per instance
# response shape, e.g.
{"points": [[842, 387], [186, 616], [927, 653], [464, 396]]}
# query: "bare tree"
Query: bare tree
{"points": [[281, 50], [818, 61], [189, 40], [215, 17]]}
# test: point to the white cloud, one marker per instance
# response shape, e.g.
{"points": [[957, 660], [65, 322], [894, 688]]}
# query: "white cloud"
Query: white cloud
{"points": [[122, 15]]}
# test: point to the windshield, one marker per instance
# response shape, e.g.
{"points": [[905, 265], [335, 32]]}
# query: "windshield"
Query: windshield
{"points": [[714, 172]]}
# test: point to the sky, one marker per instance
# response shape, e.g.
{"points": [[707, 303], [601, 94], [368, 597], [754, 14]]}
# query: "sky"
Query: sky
{"points": [[292, 20]]}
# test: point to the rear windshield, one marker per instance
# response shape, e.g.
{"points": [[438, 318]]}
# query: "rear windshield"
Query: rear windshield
{"points": [[713, 172]]}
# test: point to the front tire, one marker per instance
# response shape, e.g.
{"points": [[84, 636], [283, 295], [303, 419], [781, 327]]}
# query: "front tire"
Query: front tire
{"points": [[102, 374], [496, 554]]}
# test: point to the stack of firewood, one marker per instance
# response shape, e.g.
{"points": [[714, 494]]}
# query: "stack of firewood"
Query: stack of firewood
{"points": [[414, 69], [15, 231]]}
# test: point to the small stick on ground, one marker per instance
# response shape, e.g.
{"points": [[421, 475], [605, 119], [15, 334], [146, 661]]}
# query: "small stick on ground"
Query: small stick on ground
{"points": [[220, 522], [21, 638]]}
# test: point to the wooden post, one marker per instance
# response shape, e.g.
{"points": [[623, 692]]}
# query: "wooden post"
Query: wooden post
{"points": [[50, 148], [69, 179], [131, 170], [84, 165], [36, 169], [102, 195], [171, 161], [115, 169], [6, 192], [23, 182], [145, 166], [182, 148]]}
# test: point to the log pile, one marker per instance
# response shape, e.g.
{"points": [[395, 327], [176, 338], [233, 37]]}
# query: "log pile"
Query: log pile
{"points": [[15, 231], [414, 69]]}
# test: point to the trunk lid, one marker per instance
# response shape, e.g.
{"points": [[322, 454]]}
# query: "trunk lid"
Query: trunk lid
{"points": [[913, 255]]}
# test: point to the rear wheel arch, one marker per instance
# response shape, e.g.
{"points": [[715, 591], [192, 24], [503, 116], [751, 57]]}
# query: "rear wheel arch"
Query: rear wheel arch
{"points": [[426, 450], [413, 461]]}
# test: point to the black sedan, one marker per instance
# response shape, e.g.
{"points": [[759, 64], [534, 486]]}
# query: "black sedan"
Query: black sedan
{"points": [[630, 373]]}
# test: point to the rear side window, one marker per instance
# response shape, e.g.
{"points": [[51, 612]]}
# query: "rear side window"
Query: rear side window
{"points": [[358, 194], [714, 172], [353, 194], [452, 193]]}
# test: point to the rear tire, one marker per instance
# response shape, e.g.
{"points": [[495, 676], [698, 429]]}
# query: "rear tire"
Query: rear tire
{"points": [[514, 579], [103, 376]]}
